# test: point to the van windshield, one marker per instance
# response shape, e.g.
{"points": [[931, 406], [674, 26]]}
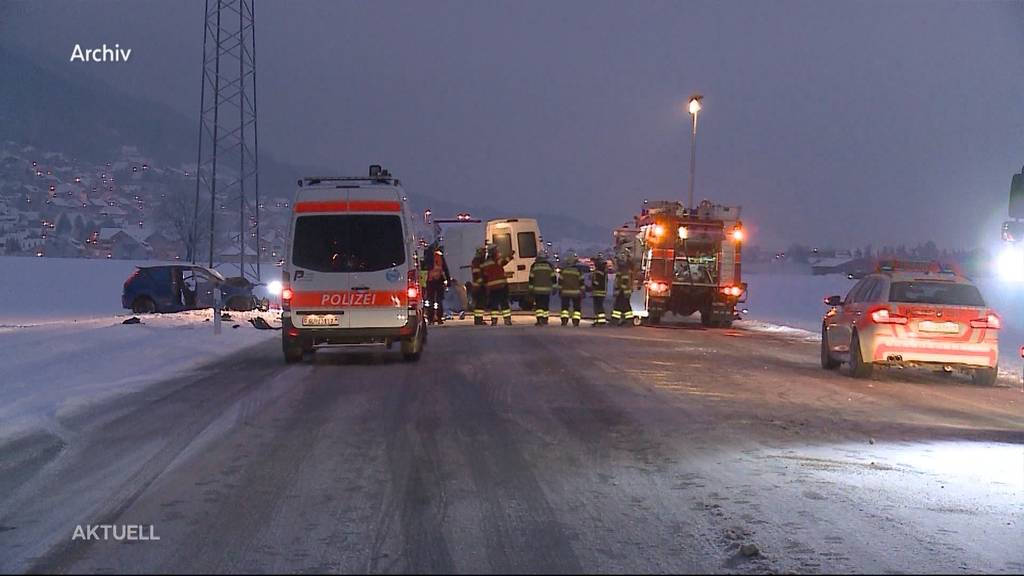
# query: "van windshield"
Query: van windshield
{"points": [[945, 293], [348, 242]]}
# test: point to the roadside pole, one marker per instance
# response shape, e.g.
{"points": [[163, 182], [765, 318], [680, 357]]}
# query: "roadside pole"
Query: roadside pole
{"points": [[216, 310]]}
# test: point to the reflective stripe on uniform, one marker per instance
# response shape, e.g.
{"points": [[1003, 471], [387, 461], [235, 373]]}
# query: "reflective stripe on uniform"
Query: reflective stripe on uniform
{"points": [[616, 314], [577, 315]]}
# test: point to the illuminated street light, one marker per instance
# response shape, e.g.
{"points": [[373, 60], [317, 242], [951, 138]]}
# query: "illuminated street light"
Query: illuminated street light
{"points": [[694, 108]]}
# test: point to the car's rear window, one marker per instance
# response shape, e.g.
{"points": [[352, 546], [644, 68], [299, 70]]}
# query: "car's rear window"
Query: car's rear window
{"points": [[348, 242], [527, 245], [944, 293]]}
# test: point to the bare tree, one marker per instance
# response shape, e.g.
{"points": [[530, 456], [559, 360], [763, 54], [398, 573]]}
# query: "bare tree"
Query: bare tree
{"points": [[175, 215]]}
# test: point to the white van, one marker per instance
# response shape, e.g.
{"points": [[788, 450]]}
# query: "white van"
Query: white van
{"points": [[350, 273], [521, 235]]}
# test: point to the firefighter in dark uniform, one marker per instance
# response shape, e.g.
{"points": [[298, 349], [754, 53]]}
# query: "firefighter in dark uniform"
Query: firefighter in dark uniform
{"points": [[570, 291], [599, 289], [478, 291], [542, 279], [497, 286], [623, 312]]}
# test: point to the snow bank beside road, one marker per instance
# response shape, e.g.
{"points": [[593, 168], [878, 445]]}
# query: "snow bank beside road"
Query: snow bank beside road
{"points": [[63, 347], [52, 371]]}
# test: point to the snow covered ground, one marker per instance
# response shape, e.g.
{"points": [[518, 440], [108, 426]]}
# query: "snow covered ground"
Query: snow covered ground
{"points": [[63, 346], [778, 301]]}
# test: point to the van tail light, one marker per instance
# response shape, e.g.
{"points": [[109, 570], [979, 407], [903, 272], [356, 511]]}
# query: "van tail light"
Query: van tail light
{"points": [[884, 316], [286, 291], [991, 322], [413, 289]]}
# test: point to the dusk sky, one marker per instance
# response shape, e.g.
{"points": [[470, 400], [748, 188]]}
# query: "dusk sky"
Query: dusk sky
{"points": [[844, 123]]}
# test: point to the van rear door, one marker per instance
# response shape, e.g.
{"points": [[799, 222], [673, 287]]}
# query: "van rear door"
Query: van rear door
{"points": [[380, 265], [320, 276]]}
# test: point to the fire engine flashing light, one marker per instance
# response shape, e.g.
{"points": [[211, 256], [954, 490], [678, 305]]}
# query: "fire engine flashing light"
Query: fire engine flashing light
{"points": [[737, 234], [655, 286], [274, 287], [659, 230], [684, 233]]}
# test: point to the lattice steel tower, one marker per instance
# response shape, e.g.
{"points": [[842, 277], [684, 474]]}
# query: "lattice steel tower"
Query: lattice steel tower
{"points": [[227, 171]]}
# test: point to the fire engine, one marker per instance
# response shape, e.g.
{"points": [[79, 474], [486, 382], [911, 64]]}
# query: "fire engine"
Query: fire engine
{"points": [[688, 261]]}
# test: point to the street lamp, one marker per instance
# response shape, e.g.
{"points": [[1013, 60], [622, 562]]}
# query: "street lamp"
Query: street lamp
{"points": [[694, 108]]}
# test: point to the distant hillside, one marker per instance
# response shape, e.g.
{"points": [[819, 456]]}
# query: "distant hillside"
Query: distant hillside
{"points": [[91, 121]]}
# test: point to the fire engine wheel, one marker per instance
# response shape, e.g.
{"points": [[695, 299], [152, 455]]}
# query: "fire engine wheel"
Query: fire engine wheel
{"points": [[858, 367], [706, 319], [827, 362]]}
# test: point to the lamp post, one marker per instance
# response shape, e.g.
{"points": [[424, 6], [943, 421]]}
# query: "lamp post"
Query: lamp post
{"points": [[694, 107]]}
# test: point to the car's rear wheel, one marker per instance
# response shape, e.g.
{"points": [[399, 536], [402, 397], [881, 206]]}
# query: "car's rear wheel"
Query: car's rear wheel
{"points": [[985, 376], [858, 367], [827, 361], [143, 305]]}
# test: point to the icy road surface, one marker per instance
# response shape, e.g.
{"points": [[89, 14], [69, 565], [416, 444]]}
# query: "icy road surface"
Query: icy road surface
{"points": [[526, 450]]}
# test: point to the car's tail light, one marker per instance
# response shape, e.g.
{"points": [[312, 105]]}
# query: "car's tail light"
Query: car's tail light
{"points": [[413, 288], [884, 316], [992, 322]]}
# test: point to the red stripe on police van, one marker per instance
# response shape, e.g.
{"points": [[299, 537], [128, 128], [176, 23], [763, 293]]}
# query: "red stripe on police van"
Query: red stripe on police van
{"points": [[350, 206], [335, 300]]}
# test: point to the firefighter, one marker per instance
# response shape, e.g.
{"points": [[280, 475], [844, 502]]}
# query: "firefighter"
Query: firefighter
{"points": [[623, 312], [599, 290], [478, 291], [497, 285], [542, 279], [438, 279], [570, 291]]}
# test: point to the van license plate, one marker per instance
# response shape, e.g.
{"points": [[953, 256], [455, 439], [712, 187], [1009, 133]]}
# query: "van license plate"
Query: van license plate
{"points": [[320, 320]]}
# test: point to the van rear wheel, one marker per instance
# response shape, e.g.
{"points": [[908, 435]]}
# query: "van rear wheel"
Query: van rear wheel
{"points": [[293, 351], [412, 349]]}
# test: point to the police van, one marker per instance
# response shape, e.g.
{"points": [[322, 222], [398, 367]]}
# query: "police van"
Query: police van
{"points": [[350, 274]]}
